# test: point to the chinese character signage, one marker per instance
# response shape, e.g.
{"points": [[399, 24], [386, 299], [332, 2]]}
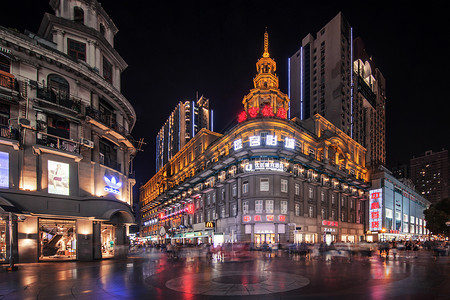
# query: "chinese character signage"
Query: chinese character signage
{"points": [[271, 140], [237, 144], [4, 170], [375, 209], [58, 178], [264, 165], [289, 143]]}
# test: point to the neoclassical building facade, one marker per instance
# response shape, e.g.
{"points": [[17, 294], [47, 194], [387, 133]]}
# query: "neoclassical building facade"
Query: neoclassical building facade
{"points": [[267, 180], [65, 145]]}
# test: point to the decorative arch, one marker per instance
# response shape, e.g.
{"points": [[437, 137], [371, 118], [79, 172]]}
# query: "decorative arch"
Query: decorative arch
{"points": [[78, 14], [119, 216]]}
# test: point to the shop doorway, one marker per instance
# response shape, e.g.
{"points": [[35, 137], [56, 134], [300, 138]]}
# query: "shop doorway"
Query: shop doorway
{"points": [[2, 241], [108, 234], [57, 239], [264, 238]]}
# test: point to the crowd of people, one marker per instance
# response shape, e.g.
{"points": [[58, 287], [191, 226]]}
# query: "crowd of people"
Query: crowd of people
{"points": [[332, 251]]}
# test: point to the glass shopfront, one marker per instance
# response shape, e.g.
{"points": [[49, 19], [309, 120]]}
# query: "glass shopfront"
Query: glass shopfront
{"points": [[2, 241], [57, 239], [264, 238], [107, 238]]}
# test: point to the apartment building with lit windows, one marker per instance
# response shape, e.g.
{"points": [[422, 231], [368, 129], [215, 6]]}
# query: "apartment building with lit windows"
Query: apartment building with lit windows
{"points": [[429, 173], [185, 121], [65, 142], [332, 75]]}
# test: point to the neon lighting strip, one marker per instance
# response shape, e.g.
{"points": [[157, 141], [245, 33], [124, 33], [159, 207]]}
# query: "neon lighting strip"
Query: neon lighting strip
{"points": [[193, 119], [289, 86], [351, 82], [212, 120], [301, 83]]}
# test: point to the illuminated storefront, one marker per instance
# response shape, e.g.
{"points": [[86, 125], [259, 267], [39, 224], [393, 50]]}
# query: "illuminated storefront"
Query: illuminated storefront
{"points": [[395, 210], [267, 180], [66, 156]]}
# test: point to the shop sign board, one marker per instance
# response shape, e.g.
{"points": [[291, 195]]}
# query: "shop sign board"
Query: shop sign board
{"points": [[264, 166], [375, 209]]}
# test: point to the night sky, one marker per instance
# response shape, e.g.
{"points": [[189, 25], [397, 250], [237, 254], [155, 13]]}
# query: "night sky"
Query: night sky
{"points": [[178, 49]]}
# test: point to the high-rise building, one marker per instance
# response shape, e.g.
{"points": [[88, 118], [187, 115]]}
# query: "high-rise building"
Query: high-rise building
{"points": [[332, 75], [430, 175], [186, 120], [65, 143]]}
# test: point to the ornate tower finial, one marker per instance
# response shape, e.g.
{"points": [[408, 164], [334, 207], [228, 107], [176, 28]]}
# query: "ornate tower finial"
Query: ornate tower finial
{"points": [[266, 44]]}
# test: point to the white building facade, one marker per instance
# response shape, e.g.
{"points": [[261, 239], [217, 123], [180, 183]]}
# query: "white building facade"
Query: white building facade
{"points": [[65, 143]]}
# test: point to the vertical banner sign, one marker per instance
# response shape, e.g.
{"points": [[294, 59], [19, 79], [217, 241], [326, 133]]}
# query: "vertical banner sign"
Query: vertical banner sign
{"points": [[58, 178], [375, 209], [4, 170]]}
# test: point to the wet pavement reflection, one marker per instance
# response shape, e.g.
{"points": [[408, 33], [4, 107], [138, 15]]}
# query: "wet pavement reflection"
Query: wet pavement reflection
{"points": [[196, 274]]}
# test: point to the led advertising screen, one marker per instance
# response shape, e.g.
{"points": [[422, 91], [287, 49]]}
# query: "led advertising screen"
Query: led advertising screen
{"points": [[58, 178], [4, 170], [375, 210]]}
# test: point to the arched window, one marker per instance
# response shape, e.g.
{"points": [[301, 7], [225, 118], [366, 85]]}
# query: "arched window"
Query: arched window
{"points": [[78, 15], [58, 86], [102, 29], [4, 64]]}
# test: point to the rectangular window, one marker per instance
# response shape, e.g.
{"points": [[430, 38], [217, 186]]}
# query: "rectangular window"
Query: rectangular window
{"points": [[297, 189], [245, 207], [107, 70], [333, 199], [343, 217], [269, 206], [284, 186], [208, 199], [322, 196], [311, 212], [76, 50], [245, 187], [222, 211], [258, 206], [214, 198], [333, 215], [264, 184], [223, 194], [234, 190], [283, 207], [234, 210], [4, 170], [311, 193], [323, 213], [297, 209]]}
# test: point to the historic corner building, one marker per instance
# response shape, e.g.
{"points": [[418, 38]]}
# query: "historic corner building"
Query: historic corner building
{"points": [[65, 143], [396, 210], [269, 179]]}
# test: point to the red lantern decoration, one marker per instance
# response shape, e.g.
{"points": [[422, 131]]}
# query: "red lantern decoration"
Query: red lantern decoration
{"points": [[242, 116], [281, 113], [267, 111], [253, 112]]}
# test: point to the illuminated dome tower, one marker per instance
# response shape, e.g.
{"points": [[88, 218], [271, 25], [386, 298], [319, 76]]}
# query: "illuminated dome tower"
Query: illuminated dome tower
{"points": [[265, 98]]}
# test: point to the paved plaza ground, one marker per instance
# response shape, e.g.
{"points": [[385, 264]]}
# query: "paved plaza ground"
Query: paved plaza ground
{"points": [[253, 275]]}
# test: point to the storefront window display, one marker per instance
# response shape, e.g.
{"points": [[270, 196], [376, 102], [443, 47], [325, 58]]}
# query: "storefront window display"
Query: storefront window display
{"points": [[2, 241], [264, 238], [107, 239], [57, 239]]}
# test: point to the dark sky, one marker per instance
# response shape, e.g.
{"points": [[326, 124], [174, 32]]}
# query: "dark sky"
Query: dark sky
{"points": [[176, 49]]}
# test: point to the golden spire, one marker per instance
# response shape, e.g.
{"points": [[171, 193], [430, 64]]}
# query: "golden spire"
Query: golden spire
{"points": [[266, 44]]}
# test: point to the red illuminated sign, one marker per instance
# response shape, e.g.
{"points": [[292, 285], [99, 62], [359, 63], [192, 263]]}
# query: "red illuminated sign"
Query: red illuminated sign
{"points": [[190, 208], [375, 210], [267, 111], [242, 117], [253, 112], [281, 113], [282, 218], [161, 215], [246, 218], [269, 218], [257, 218], [330, 223], [375, 195]]}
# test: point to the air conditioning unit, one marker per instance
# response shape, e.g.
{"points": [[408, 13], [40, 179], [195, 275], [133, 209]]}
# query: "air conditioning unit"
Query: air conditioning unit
{"points": [[86, 143]]}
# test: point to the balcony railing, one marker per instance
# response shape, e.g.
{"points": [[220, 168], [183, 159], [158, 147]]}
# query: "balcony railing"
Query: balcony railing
{"points": [[107, 161], [47, 94], [106, 120], [6, 80], [9, 133], [56, 142]]}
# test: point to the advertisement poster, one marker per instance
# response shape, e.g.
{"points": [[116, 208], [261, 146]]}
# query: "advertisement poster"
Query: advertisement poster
{"points": [[4, 170], [58, 178]]}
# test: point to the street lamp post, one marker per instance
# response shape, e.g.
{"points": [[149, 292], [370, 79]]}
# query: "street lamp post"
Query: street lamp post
{"points": [[383, 230]]}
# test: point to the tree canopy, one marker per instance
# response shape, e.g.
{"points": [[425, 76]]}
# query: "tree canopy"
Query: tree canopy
{"points": [[437, 216]]}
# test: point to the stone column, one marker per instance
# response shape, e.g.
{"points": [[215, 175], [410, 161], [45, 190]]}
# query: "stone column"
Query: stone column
{"points": [[58, 39], [91, 46]]}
